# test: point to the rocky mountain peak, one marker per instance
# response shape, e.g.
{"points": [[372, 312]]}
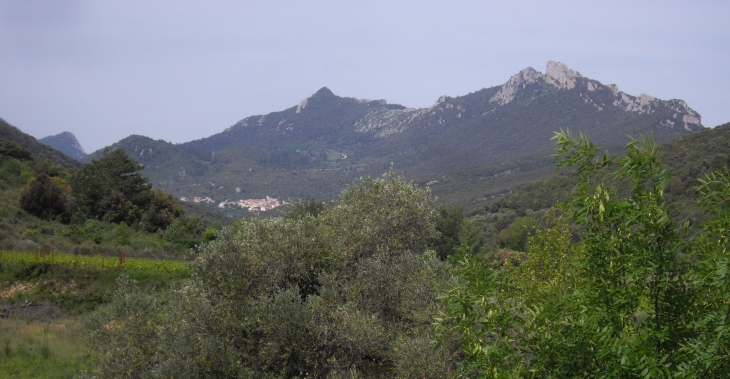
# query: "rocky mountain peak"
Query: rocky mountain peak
{"points": [[560, 75], [517, 82], [323, 92]]}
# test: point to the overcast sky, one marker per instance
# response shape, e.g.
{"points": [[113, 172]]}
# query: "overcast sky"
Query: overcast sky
{"points": [[182, 70]]}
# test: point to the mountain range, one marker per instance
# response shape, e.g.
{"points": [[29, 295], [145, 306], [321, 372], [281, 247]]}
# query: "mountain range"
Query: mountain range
{"points": [[467, 148], [313, 148]]}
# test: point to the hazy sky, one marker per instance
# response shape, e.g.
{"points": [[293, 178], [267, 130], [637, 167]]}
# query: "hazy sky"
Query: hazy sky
{"points": [[182, 70]]}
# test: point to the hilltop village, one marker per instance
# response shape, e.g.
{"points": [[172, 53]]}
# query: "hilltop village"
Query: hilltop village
{"points": [[252, 205]]}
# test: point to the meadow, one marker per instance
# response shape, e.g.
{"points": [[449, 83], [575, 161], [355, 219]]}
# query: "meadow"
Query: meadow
{"points": [[45, 300]]}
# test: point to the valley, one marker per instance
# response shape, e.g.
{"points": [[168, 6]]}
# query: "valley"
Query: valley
{"points": [[353, 232]]}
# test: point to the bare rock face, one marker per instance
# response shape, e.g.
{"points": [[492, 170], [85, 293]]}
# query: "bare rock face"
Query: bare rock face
{"points": [[691, 121], [560, 75], [641, 104], [302, 105], [517, 82], [613, 88]]}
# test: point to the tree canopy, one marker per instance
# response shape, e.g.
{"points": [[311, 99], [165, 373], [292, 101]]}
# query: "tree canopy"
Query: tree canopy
{"points": [[112, 189]]}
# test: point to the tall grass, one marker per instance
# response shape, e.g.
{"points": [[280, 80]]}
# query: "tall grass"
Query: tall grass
{"points": [[141, 264], [43, 349]]}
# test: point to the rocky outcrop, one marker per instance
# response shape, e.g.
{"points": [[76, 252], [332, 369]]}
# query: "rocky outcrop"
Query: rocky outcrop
{"points": [[559, 75], [517, 82], [302, 105]]}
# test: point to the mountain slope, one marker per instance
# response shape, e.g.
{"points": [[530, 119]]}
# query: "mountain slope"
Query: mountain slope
{"points": [[487, 126], [66, 143], [313, 148], [688, 159], [40, 151]]}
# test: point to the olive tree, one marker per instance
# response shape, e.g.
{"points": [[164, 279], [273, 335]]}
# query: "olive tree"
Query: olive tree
{"points": [[347, 291]]}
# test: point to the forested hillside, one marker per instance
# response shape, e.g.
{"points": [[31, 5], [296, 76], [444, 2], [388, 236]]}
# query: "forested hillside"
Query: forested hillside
{"points": [[687, 159], [39, 151]]}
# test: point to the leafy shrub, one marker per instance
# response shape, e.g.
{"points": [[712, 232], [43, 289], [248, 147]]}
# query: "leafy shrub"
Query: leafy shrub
{"points": [[635, 298], [44, 198], [351, 291]]}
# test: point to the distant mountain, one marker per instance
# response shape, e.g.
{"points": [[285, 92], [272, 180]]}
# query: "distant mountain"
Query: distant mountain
{"points": [[486, 126], [66, 143], [313, 148], [40, 151]]}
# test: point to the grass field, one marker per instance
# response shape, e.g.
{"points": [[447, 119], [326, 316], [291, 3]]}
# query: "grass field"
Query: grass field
{"points": [[35, 349], [48, 341], [143, 264]]}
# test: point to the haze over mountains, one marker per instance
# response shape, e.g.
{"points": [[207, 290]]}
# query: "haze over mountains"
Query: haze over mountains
{"points": [[66, 143], [311, 149]]}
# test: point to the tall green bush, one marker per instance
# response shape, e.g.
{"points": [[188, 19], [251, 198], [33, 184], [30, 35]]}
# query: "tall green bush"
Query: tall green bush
{"points": [[632, 299], [350, 291]]}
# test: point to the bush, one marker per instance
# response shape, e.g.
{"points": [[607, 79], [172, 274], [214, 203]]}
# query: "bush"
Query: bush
{"points": [[635, 298], [43, 198], [351, 290]]}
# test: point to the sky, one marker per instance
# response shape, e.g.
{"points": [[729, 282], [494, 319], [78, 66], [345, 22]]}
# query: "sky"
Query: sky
{"points": [[183, 70]]}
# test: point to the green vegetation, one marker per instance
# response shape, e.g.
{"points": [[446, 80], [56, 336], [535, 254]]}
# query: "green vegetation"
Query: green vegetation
{"points": [[607, 286], [78, 284], [687, 159], [142, 264], [103, 207], [44, 302], [634, 298], [348, 292], [37, 150], [38, 349], [111, 189]]}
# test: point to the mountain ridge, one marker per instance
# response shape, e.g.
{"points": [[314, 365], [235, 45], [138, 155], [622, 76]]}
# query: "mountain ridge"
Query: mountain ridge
{"points": [[335, 139], [39, 150]]}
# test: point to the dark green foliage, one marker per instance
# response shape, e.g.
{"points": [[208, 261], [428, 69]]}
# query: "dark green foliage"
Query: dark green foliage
{"points": [[515, 236], [42, 198], [186, 231], [448, 224], [455, 233], [9, 149], [306, 208], [161, 210], [39, 151], [111, 189]]}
